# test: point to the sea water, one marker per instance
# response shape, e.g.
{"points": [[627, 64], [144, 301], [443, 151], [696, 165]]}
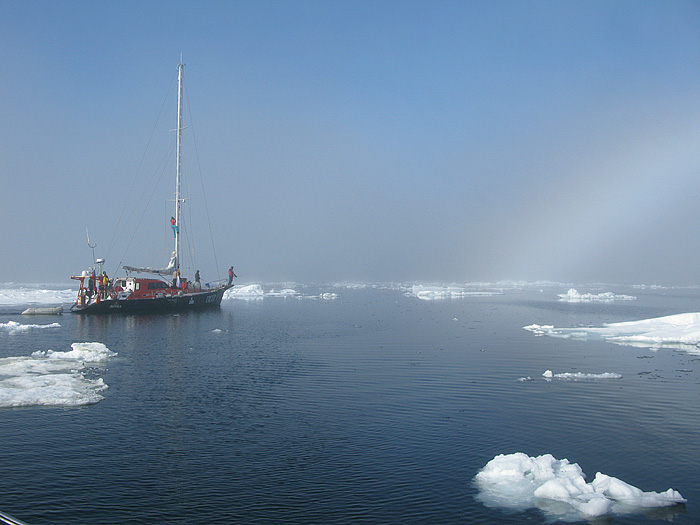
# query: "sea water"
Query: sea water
{"points": [[343, 403]]}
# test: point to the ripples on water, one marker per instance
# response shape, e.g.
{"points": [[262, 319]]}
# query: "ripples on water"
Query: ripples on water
{"points": [[375, 407]]}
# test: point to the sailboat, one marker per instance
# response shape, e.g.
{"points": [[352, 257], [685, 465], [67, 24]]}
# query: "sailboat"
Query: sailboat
{"points": [[167, 291]]}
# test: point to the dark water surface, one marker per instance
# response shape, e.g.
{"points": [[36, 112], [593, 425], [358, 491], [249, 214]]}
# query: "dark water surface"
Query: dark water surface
{"points": [[375, 407]]}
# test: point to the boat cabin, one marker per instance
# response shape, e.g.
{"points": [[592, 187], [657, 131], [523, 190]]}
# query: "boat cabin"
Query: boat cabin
{"points": [[138, 288]]}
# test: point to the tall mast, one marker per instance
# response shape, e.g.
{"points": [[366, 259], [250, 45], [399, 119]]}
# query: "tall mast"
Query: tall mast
{"points": [[178, 200]]}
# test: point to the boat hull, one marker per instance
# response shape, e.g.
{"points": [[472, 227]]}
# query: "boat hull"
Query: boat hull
{"points": [[175, 303]]}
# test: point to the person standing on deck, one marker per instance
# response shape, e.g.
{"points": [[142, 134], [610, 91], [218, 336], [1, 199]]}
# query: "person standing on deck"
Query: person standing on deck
{"points": [[104, 283], [91, 285], [231, 275]]}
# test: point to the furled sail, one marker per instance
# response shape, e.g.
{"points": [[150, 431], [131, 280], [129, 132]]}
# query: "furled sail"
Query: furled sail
{"points": [[168, 270]]}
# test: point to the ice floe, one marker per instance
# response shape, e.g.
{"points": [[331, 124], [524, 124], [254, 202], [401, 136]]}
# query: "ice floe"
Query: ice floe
{"points": [[681, 331], [577, 376], [548, 375], [558, 488], [431, 293], [13, 327], [23, 294], [573, 296], [249, 292], [253, 292], [54, 378]]}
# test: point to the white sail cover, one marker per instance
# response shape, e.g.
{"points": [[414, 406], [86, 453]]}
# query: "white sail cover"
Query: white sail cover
{"points": [[168, 270]]}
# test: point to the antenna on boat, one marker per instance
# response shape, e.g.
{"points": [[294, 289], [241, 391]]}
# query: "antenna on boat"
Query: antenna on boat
{"points": [[90, 245]]}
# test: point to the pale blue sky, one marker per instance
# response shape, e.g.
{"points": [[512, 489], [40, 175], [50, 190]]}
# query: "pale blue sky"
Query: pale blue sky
{"points": [[365, 140]]}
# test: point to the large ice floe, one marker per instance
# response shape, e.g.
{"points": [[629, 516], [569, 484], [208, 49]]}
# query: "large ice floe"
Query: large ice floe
{"points": [[681, 331], [573, 296], [558, 488], [54, 378]]}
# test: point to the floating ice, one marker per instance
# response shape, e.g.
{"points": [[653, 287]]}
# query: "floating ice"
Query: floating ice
{"points": [[14, 327], [353, 286], [519, 482], [286, 292], [13, 294], [680, 331], [256, 292], [53, 378], [248, 293], [430, 293], [575, 376], [573, 296]]}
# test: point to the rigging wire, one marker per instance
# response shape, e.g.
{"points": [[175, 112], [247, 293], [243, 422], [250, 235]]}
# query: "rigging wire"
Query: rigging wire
{"points": [[152, 184], [204, 198], [133, 182], [145, 207]]}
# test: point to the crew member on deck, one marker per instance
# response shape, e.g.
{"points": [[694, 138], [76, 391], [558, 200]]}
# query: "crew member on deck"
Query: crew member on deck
{"points": [[91, 285], [104, 282], [231, 275]]}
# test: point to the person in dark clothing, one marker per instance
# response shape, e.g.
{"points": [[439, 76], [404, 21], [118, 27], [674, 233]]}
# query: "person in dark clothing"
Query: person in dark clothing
{"points": [[91, 285]]}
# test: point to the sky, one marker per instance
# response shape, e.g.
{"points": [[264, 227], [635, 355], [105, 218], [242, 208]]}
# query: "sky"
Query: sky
{"points": [[355, 140]]}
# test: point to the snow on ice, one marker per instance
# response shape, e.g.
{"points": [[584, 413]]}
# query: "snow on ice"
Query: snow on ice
{"points": [[558, 487]]}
